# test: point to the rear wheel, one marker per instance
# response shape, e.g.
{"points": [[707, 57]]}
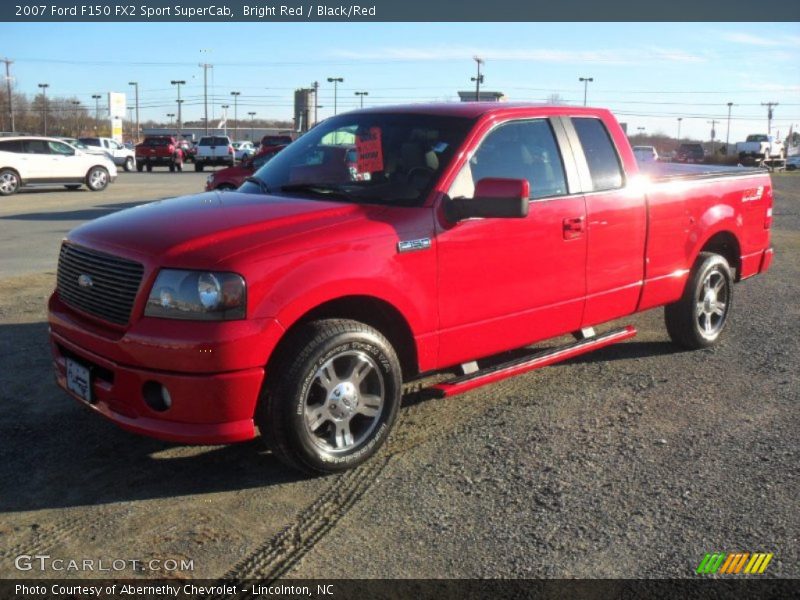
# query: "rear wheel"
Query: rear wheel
{"points": [[198, 166], [149, 167], [140, 167], [97, 179], [9, 182], [698, 319], [335, 399]]}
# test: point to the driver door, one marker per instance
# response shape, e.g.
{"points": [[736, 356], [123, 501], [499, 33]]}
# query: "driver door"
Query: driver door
{"points": [[506, 283]]}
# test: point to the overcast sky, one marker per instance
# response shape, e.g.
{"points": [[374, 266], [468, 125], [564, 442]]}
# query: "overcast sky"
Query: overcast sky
{"points": [[649, 74]]}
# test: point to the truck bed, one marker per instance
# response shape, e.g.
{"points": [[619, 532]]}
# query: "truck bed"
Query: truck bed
{"points": [[663, 171]]}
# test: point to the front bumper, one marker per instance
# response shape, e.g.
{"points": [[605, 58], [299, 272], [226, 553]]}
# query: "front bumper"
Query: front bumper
{"points": [[213, 372]]}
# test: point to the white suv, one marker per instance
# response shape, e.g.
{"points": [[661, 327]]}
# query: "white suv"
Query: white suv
{"points": [[214, 150], [122, 156], [26, 161]]}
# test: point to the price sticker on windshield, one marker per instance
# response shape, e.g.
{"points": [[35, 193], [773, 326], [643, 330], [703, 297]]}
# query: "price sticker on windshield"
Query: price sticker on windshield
{"points": [[370, 153]]}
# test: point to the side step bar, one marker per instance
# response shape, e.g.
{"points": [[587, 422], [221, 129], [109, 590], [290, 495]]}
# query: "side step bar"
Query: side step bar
{"points": [[533, 361]]}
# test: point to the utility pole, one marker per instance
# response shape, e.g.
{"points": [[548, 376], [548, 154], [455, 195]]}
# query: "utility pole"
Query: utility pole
{"points": [[76, 104], [171, 116], [235, 114], [206, 67], [44, 87], [728, 134], [640, 130], [135, 85], [586, 81], [8, 89], [334, 81], [179, 83], [478, 79], [679, 128], [252, 125], [769, 106], [316, 101], [713, 135], [361, 95], [96, 98]]}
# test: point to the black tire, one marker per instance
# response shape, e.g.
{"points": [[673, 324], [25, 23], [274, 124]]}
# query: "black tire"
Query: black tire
{"points": [[172, 167], [73, 186], [140, 167], [9, 182], [149, 168], [698, 319], [297, 394], [198, 166], [97, 179], [129, 163]]}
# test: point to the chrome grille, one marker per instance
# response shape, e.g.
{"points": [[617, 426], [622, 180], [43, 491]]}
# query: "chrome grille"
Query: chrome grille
{"points": [[114, 283]]}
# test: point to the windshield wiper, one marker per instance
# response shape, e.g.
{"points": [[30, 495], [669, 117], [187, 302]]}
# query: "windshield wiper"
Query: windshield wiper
{"points": [[261, 185], [329, 190]]}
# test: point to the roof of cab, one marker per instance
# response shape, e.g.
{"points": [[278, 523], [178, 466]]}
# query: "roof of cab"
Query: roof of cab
{"points": [[472, 110]]}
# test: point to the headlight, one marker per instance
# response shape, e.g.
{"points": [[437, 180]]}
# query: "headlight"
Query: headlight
{"points": [[197, 295]]}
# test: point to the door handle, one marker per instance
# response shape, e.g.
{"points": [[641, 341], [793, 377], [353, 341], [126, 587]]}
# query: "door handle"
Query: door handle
{"points": [[573, 227]]}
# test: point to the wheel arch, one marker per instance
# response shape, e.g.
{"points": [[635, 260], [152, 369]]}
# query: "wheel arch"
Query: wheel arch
{"points": [[726, 244], [370, 310]]}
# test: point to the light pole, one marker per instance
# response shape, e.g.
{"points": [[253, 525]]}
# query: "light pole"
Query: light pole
{"points": [[316, 101], [640, 130], [8, 90], [44, 87], [335, 81], [728, 134], [171, 116], [179, 83], [713, 124], [252, 125], [135, 85], [586, 81], [361, 97], [225, 107], [206, 67], [679, 128], [478, 79], [96, 98], [235, 114]]}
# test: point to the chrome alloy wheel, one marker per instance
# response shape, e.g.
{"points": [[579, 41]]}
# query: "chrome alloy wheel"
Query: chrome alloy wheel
{"points": [[712, 304], [344, 402], [8, 183], [98, 178]]}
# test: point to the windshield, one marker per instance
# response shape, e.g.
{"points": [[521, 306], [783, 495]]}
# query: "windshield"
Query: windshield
{"points": [[757, 138], [366, 157]]}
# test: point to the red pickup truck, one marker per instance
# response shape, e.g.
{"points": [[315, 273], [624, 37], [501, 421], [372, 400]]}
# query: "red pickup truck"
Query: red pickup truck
{"points": [[300, 303], [158, 150]]}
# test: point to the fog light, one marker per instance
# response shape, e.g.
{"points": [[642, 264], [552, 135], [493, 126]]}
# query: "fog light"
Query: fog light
{"points": [[156, 396]]}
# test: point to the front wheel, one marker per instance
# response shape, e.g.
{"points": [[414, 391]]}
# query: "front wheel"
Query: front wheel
{"points": [[9, 182], [129, 164], [698, 319], [334, 398], [97, 179]]}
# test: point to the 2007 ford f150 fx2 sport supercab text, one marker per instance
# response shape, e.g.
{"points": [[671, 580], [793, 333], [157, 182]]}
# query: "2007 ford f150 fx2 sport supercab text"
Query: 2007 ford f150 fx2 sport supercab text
{"points": [[383, 244]]}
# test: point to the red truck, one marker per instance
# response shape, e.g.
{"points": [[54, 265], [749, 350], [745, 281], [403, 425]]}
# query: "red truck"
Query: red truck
{"points": [[159, 150], [299, 306]]}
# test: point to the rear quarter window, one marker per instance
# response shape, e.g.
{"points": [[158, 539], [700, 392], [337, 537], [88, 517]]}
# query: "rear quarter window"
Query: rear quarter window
{"points": [[601, 156]]}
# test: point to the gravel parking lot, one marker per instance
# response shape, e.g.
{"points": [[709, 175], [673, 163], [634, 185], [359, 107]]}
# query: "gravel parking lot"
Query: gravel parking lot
{"points": [[633, 461]]}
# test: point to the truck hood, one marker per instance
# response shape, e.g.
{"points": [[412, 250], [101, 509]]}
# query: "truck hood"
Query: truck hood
{"points": [[209, 228]]}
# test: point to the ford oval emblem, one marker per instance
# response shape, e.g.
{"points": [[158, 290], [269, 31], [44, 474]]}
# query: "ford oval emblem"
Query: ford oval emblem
{"points": [[85, 281]]}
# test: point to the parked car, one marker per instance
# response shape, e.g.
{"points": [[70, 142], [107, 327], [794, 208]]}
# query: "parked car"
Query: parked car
{"points": [[242, 150], [690, 153], [759, 146], [122, 156], [159, 150], [645, 153], [793, 162], [276, 140], [31, 161], [299, 305], [232, 177], [83, 147], [214, 150]]}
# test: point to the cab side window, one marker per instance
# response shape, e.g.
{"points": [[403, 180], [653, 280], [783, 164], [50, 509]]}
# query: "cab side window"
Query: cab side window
{"points": [[522, 150], [601, 156]]}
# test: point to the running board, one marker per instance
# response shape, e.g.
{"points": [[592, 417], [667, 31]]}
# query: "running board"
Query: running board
{"points": [[530, 362]]}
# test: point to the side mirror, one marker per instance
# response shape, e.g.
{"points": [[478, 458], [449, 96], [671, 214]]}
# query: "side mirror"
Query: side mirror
{"points": [[494, 198]]}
